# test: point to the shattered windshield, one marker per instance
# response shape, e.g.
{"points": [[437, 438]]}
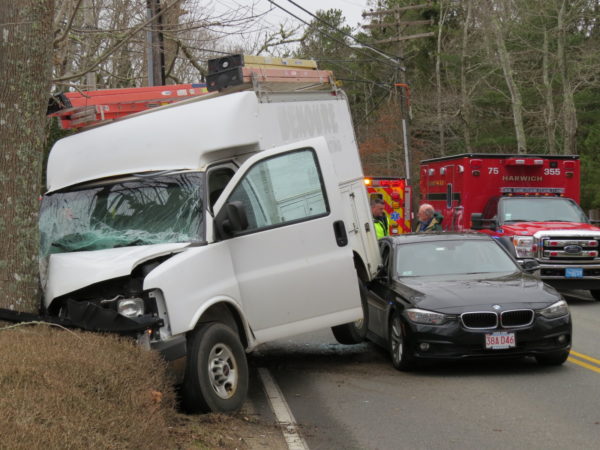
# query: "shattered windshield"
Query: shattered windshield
{"points": [[139, 210]]}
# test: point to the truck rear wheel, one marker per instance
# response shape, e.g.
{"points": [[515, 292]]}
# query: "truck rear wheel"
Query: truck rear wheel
{"points": [[216, 373], [355, 332], [596, 294]]}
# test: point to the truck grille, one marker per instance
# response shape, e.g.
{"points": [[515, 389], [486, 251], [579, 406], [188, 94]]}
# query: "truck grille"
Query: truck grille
{"points": [[517, 318], [479, 320], [565, 248]]}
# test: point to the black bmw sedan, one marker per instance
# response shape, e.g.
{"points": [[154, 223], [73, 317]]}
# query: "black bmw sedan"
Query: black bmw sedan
{"points": [[455, 296]]}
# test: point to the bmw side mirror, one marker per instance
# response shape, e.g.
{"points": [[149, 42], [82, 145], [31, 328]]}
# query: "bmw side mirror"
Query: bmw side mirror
{"points": [[529, 265]]}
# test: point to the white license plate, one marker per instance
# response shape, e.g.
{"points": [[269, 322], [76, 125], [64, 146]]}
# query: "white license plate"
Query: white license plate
{"points": [[574, 272], [500, 340]]}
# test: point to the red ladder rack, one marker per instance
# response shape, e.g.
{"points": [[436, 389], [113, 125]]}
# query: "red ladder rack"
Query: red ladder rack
{"points": [[84, 109]]}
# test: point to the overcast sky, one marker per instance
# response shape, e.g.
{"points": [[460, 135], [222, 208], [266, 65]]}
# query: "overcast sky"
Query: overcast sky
{"points": [[352, 9]]}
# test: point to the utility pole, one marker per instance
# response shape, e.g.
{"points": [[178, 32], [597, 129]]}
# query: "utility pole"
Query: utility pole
{"points": [[402, 88], [89, 24], [155, 53]]}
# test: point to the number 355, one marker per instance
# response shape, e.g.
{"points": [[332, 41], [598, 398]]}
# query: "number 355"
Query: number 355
{"points": [[551, 171]]}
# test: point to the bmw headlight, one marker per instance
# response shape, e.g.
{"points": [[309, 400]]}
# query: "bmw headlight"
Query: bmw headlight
{"points": [[425, 317], [130, 307], [558, 309]]}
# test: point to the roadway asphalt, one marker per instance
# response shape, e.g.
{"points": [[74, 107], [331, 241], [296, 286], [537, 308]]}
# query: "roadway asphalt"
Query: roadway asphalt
{"points": [[351, 397]]}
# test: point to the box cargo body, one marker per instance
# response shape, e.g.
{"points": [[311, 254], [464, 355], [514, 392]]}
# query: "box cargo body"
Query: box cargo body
{"points": [[528, 201]]}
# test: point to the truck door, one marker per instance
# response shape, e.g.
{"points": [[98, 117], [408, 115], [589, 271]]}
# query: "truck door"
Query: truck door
{"points": [[293, 263]]}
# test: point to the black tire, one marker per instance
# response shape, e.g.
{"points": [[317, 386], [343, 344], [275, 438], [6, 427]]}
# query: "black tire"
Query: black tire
{"points": [[596, 294], [402, 356], [553, 359], [355, 332], [216, 373]]}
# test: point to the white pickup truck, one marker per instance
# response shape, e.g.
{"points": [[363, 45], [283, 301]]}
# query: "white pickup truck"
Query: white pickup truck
{"points": [[210, 226]]}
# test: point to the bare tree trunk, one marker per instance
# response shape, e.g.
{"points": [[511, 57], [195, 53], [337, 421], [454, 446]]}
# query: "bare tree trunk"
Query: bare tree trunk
{"points": [[515, 94], [569, 112], [26, 49], [438, 81], [465, 105], [549, 114]]}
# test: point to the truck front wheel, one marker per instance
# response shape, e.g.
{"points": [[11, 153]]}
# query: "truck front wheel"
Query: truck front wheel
{"points": [[596, 294], [216, 374]]}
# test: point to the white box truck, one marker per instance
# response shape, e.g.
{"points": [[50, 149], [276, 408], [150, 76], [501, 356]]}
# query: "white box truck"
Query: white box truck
{"points": [[210, 226]]}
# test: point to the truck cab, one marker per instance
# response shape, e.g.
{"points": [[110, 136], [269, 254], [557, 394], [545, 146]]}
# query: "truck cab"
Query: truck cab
{"points": [[528, 202]]}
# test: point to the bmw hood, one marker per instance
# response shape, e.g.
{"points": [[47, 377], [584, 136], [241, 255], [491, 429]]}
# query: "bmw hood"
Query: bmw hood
{"points": [[453, 296], [68, 272]]}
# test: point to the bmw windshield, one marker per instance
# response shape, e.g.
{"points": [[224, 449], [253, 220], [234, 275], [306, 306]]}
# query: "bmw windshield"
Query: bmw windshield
{"points": [[137, 210], [452, 257]]}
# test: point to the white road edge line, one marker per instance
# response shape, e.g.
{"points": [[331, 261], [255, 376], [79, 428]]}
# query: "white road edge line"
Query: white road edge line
{"points": [[282, 412]]}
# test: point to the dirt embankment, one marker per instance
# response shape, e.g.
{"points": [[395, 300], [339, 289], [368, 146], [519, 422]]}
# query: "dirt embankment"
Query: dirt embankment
{"points": [[67, 389]]}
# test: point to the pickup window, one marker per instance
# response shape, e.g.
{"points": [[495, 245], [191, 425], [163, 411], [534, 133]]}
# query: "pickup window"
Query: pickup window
{"points": [[539, 209]]}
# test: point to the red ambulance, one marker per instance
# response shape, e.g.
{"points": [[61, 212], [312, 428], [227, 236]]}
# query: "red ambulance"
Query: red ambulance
{"points": [[396, 194], [528, 202]]}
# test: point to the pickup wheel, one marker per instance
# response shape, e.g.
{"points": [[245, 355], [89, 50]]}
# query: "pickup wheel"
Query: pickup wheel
{"points": [[355, 332], [216, 373], [596, 294]]}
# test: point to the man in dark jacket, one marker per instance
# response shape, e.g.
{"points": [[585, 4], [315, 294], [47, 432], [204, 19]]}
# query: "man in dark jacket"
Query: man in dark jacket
{"points": [[430, 221]]}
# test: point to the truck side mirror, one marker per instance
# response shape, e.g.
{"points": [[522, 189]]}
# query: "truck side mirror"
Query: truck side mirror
{"points": [[479, 223], [231, 219]]}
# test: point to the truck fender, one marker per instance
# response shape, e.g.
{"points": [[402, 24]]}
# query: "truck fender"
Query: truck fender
{"points": [[226, 310]]}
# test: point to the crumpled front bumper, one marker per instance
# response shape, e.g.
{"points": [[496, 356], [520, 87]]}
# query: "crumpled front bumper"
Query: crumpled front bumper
{"points": [[88, 316]]}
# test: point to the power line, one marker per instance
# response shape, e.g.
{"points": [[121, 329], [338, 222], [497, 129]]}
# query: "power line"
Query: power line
{"points": [[341, 32], [333, 38]]}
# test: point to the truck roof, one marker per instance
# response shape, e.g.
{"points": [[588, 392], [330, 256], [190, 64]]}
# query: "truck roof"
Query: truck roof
{"points": [[182, 136], [499, 156]]}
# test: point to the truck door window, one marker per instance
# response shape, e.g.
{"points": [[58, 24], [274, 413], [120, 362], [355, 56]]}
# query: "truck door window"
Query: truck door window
{"points": [[449, 196], [217, 180], [282, 189]]}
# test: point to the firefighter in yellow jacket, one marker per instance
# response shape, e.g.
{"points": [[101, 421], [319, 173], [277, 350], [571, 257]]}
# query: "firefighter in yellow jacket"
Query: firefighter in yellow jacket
{"points": [[380, 220]]}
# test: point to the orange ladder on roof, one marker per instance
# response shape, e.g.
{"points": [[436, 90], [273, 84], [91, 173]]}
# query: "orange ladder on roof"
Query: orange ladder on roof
{"points": [[83, 109]]}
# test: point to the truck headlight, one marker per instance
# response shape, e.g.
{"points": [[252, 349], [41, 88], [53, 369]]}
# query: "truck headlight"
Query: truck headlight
{"points": [[131, 307], [524, 246], [558, 309], [425, 317]]}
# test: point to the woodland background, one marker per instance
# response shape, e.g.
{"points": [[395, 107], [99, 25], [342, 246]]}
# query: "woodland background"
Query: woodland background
{"points": [[489, 76]]}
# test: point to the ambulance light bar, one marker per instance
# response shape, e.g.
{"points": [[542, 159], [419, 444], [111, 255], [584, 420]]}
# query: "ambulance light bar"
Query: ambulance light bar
{"points": [[384, 182], [524, 162]]}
